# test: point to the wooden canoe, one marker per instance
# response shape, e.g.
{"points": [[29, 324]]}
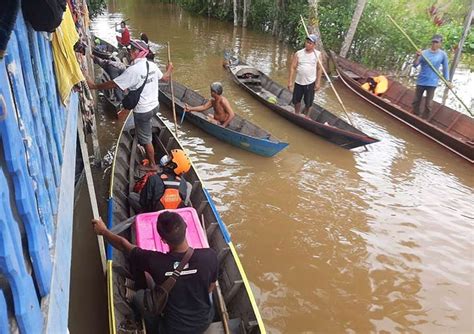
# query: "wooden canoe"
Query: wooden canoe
{"points": [[278, 99], [445, 126], [240, 132], [239, 301]]}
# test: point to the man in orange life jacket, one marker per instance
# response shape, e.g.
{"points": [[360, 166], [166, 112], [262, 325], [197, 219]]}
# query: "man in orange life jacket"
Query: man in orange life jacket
{"points": [[166, 190]]}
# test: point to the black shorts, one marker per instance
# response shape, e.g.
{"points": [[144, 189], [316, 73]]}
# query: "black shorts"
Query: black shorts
{"points": [[304, 90]]}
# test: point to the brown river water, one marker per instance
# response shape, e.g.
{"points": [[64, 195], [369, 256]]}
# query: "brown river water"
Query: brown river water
{"points": [[333, 241]]}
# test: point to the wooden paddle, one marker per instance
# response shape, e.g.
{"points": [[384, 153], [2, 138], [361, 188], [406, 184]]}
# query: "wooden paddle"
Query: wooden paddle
{"points": [[448, 84], [327, 76], [172, 93]]}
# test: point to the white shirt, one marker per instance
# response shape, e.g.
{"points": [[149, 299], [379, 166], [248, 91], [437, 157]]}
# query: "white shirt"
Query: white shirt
{"points": [[306, 69], [133, 78]]}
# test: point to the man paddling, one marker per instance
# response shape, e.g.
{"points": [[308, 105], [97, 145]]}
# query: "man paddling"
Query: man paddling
{"points": [[308, 75], [124, 38], [427, 78], [223, 113]]}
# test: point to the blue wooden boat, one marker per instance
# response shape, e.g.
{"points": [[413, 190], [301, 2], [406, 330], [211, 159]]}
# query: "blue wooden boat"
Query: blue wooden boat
{"points": [[240, 132]]}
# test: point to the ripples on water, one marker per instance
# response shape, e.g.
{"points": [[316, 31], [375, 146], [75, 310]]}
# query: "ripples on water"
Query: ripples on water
{"points": [[332, 240]]}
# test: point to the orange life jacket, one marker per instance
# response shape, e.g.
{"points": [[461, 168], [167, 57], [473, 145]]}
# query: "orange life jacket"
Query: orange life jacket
{"points": [[171, 198]]}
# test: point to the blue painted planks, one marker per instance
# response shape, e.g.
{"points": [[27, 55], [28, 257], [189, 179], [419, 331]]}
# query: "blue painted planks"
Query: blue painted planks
{"points": [[35, 106], [12, 266], [57, 318], [25, 120], [3, 314], [44, 105], [50, 84], [14, 154]]}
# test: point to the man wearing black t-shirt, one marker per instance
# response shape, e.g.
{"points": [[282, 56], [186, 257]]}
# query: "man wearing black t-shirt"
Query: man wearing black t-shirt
{"points": [[189, 308]]}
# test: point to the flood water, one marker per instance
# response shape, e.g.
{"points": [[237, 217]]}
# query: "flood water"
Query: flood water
{"points": [[332, 240]]}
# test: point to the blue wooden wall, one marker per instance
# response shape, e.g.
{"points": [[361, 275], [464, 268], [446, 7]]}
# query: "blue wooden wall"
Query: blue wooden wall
{"points": [[37, 161]]}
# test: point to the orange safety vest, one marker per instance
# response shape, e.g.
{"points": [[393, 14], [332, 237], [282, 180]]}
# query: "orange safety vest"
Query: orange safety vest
{"points": [[171, 198]]}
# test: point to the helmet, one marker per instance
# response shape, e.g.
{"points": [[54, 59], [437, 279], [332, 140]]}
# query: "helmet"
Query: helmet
{"points": [[181, 161]]}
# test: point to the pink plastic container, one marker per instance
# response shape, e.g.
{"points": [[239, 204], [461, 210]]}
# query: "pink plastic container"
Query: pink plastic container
{"points": [[147, 236]]}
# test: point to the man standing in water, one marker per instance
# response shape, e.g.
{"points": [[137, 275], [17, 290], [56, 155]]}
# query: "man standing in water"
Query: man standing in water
{"points": [[132, 79], [427, 79], [223, 113], [308, 75]]}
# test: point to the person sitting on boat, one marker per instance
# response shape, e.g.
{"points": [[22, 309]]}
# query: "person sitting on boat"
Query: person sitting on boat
{"points": [[124, 38], [132, 79], [166, 190], [150, 56], [189, 308], [376, 85], [308, 75], [427, 78], [223, 113]]}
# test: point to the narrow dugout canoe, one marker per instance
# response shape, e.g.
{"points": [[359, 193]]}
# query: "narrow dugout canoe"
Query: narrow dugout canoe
{"points": [[239, 301], [240, 132], [445, 126], [278, 99]]}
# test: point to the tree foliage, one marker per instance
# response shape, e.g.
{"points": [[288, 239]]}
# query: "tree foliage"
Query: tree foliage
{"points": [[376, 43]]}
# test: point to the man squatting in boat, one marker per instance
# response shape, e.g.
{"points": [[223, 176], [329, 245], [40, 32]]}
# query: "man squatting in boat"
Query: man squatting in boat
{"points": [[223, 113], [189, 308], [132, 79], [308, 75], [427, 78]]}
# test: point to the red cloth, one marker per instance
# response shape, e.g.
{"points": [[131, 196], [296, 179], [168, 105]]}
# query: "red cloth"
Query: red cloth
{"points": [[125, 39]]}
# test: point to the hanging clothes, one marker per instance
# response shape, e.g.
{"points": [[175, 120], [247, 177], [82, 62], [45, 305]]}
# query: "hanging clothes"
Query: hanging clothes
{"points": [[7, 21], [68, 71]]}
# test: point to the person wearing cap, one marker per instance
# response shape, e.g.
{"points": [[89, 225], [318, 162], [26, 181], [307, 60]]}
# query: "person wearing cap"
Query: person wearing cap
{"points": [[308, 75], [427, 79], [223, 113], [132, 79], [124, 38]]}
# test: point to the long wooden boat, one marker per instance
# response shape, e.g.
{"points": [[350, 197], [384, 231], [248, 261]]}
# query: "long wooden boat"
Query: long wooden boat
{"points": [[240, 132], [445, 126], [278, 98], [104, 50], [243, 313]]}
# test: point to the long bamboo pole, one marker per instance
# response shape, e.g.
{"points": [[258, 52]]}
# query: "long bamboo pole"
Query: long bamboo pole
{"points": [[327, 76], [172, 94], [448, 84]]}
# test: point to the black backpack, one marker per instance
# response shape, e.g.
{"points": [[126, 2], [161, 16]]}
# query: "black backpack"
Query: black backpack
{"points": [[44, 15]]}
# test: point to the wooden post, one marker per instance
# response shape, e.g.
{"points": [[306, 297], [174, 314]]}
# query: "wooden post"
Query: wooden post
{"points": [[457, 55], [90, 187], [353, 27]]}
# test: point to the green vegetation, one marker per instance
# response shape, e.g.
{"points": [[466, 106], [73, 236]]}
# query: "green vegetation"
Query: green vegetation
{"points": [[377, 42], [96, 7]]}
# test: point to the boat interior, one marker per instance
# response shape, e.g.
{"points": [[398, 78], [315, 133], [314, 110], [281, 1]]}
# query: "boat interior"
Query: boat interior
{"points": [[400, 96], [241, 318], [275, 94], [184, 95]]}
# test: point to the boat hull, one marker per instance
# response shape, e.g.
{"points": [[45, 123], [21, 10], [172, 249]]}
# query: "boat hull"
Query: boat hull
{"points": [[444, 125], [260, 146], [320, 121]]}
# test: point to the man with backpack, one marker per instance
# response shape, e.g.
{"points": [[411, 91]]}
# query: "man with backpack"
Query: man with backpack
{"points": [[141, 81], [189, 308]]}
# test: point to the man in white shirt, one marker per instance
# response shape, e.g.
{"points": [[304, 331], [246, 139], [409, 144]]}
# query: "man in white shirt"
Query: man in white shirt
{"points": [[132, 79], [308, 75]]}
